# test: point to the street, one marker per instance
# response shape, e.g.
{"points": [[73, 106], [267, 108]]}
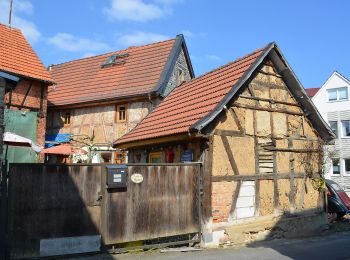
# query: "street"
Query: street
{"points": [[334, 246]]}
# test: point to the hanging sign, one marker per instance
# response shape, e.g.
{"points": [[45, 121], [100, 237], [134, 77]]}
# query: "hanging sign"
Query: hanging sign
{"points": [[136, 178]]}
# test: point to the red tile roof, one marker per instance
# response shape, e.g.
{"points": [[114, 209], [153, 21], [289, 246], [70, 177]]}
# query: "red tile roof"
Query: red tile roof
{"points": [[192, 101], [17, 56], [84, 80], [311, 91]]}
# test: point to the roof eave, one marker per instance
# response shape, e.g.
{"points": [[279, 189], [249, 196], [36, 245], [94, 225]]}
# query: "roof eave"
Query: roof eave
{"points": [[48, 82]]}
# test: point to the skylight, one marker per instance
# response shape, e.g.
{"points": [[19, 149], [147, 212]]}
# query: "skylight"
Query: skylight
{"points": [[115, 59]]}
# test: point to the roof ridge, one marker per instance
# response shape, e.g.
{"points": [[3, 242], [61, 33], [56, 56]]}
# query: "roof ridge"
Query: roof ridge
{"points": [[121, 50], [10, 27]]}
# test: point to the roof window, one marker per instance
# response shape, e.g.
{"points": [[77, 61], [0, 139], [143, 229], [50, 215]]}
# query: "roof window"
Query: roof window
{"points": [[115, 59]]}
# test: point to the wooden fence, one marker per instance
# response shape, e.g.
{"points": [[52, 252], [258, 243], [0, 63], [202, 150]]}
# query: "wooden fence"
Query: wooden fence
{"points": [[48, 202]]}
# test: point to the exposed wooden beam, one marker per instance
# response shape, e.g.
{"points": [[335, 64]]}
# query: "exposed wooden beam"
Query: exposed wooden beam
{"points": [[270, 100], [228, 133], [27, 93], [10, 98], [291, 150], [25, 107], [268, 176], [230, 155], [235, 197], [236, 119], [280, 110]]}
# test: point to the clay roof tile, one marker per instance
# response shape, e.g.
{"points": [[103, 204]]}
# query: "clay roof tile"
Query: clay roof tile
{"points": [[18, 57]]}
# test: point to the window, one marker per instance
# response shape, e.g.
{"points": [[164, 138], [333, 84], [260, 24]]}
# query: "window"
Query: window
{"points": [[180, 77], [67, 118], [336, 166], [119, 157], [334, 127], [345, 128], [337, 94], [347, 166], [106, 157], [155, 157], [121, 113], [115, 59]]}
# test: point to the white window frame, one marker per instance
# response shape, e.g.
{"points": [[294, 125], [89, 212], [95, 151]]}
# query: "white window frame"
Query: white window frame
{"points": [[343, 164], [337, 130], [337, 93], [340, 167], [342, 131]]}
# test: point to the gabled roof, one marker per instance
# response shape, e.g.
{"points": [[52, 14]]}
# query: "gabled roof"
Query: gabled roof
{"points": [[311, 91], [195, 104], [18, 58], [141, 70], [334, 74]]}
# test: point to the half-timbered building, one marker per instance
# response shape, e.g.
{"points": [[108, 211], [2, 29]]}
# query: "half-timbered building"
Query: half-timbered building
{"points": [[259, 138], [24, 85], [98, 99]]}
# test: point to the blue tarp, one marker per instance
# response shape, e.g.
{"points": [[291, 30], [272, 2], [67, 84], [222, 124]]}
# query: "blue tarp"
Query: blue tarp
{"points": [[59, 138]]}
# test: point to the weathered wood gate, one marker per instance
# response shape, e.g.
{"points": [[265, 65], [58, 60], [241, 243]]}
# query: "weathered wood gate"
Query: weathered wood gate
{"points": [[49, 201]]}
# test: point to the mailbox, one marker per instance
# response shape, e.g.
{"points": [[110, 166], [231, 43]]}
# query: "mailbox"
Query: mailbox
{"points": [[116, 176]]}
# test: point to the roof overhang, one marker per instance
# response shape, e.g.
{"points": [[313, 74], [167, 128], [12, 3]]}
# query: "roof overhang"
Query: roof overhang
{"points": [[273, 52], [155, 141], [21, 76]]}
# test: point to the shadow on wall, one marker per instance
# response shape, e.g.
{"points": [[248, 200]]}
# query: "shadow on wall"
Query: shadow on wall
{"points": [[54, 209]]}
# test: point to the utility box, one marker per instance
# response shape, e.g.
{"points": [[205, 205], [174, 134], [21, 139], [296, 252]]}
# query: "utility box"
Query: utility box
{"points": [[116, 176]]}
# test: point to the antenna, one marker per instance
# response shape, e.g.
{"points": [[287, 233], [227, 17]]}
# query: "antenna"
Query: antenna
{"points": [[10, 16]]}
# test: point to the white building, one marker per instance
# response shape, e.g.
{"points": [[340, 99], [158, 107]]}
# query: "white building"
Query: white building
{"points": [[332, 101]]}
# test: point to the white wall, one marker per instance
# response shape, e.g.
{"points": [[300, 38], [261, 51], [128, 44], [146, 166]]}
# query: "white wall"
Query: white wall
{"points": [[321, 98], [336, 111]]}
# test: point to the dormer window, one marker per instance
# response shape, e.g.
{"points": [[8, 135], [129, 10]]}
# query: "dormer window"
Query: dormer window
{"points": [[115, 59]]}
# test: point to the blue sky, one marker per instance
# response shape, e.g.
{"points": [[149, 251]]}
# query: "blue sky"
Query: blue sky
{"points": [[313, 35]]}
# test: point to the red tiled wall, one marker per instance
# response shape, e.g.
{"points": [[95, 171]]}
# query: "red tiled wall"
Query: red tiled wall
{"points": [[32, 103]]}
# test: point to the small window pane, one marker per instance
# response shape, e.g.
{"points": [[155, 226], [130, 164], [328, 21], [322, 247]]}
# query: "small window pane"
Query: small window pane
{"points": [[346, 128], [347, 165], [334, 127], [336, 167], [332, 94], [343, 93]]}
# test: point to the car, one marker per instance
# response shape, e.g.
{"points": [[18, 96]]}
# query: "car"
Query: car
{"points": [[338, 200]]}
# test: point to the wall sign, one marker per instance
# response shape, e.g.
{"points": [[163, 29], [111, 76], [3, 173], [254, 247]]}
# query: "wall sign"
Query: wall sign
{"points": [[136, 178]]}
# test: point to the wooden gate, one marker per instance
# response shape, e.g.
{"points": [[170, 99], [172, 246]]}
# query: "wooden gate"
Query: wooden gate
{"points": [[166, 203], [59, 201]]}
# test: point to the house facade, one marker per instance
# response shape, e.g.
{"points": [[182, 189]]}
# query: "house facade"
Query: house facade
{"points": [[26, 82], [332, 101], [99, 99], [259, 138]]}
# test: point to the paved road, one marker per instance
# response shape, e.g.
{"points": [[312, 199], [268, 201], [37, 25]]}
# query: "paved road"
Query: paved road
{"points": [[335, 246]]}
